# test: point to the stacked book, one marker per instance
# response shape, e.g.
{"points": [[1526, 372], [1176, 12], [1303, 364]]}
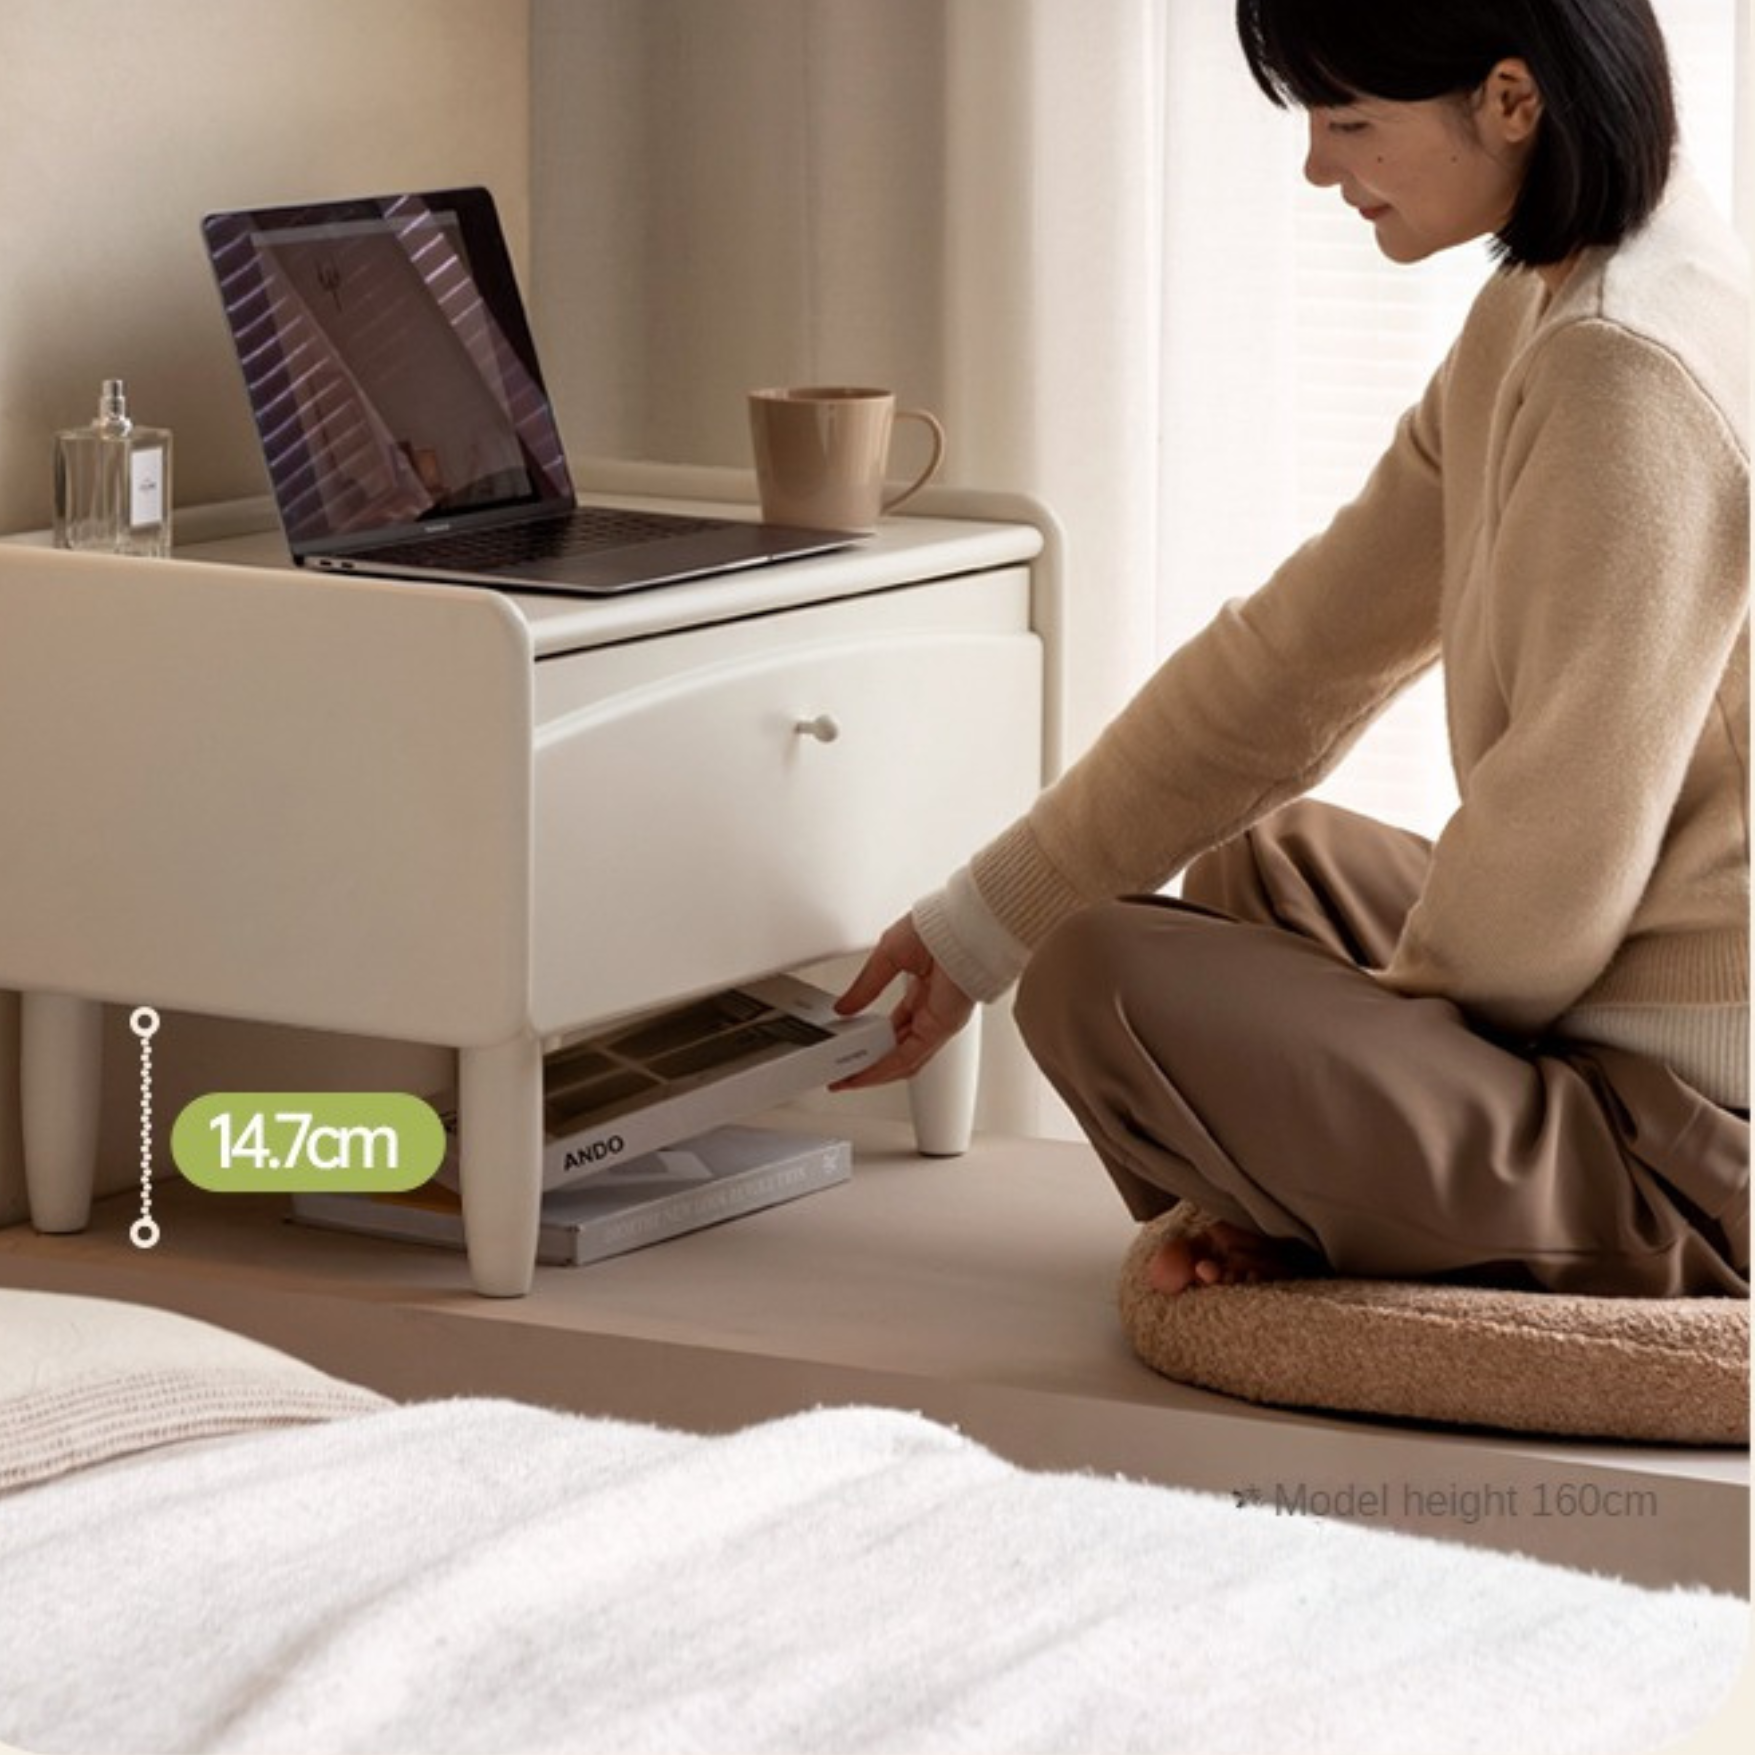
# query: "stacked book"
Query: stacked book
{"points": [[714, 1176], [641, 1143]]}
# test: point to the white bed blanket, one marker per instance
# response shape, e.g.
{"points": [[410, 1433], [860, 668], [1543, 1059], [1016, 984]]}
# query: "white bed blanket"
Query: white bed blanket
{"points": [[481, 1575]]}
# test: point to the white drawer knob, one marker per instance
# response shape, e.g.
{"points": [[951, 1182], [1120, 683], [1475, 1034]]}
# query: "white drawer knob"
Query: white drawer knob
{"points": [[825, 728]]}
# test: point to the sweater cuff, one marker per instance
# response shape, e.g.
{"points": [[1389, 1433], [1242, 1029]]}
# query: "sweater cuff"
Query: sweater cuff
{"points": [[967, 940]]}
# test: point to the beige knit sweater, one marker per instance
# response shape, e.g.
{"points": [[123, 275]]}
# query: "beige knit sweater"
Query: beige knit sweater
{"points": [[1563, 520]]}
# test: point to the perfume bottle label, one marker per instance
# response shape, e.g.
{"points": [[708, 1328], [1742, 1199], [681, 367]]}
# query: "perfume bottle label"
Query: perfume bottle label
{"points": [[146, 486]]}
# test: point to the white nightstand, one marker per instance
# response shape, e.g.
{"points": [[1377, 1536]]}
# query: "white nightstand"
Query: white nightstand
{"points": [[450, 816]]}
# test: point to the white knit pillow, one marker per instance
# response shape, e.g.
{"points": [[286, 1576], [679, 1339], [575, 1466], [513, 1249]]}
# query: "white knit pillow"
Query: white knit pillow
{"points": [[86, 1380]]}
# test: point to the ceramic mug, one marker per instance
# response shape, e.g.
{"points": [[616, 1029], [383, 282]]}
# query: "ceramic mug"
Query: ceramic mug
{"points": [[822, 453]]}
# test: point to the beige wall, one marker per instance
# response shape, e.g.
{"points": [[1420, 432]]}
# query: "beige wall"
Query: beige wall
{"points": [[122, 123], [729, 193]]}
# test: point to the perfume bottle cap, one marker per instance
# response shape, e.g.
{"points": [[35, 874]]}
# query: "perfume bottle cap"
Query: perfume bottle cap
{"points": [[112, 414]]}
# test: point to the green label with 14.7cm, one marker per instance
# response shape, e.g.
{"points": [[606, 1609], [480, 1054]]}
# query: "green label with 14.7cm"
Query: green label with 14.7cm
{"points": [[300, 1142]]}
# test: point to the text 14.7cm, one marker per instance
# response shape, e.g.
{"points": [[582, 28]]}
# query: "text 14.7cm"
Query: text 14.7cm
{"points": [[302, 1142], [299, 1142]]}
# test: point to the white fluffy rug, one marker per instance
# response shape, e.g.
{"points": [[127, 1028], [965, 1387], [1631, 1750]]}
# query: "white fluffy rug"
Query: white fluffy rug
{"points": [[485, 1576]]}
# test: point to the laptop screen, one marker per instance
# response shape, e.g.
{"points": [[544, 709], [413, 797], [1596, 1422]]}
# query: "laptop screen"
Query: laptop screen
{"points": [[389, 366]]}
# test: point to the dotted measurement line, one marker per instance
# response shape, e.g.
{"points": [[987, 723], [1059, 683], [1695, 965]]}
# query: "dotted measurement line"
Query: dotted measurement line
{"points": [[143, 1233]]}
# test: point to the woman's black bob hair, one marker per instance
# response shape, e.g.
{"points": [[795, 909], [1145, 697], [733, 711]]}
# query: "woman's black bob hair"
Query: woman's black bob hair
{"points": [[1607, 137]]}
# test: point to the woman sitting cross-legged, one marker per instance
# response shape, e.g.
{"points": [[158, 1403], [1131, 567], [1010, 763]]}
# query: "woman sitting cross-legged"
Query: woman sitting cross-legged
{"points": [[1518, 1054]]}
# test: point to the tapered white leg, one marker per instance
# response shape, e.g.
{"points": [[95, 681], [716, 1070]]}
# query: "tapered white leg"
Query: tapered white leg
{"points": [[60, 1062], [941, 1096], [499, 1141]]}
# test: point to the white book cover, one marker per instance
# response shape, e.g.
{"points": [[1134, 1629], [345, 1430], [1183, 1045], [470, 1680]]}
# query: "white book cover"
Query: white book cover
{"points": [[620, 1093], [683, 1187]]}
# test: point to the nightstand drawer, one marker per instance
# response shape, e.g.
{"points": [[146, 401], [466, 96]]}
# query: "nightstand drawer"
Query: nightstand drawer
{"points": [[768, 811]]}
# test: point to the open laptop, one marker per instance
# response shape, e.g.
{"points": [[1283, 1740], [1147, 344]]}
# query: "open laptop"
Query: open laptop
{"points": [[396, 391]]}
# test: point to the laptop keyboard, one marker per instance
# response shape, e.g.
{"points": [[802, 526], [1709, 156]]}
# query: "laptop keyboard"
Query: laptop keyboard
{"points": [[588, 530]]}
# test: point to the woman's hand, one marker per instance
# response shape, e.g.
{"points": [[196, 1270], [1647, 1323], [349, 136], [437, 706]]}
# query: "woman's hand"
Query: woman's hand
{"points": [[932, 1010]]}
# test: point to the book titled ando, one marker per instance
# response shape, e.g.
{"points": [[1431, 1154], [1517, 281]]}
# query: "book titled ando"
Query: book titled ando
{"points": [[687, 1186]]}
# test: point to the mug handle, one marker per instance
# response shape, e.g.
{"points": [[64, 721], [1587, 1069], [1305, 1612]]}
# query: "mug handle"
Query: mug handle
{"points": [[932, 463]]}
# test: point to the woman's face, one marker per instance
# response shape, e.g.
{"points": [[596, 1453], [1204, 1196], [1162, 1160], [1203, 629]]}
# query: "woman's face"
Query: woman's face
{"points": [[1430, 174]]}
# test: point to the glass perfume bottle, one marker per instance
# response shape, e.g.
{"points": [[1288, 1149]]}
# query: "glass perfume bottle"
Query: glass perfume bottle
{"points": [[113, 482]]}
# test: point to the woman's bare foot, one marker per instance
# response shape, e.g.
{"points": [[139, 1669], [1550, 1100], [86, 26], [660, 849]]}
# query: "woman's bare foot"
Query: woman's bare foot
{"points": [[1227, 1255]]}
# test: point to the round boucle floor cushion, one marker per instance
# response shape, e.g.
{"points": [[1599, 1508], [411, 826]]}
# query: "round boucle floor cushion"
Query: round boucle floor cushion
{"points": [[1666, 1370]]}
